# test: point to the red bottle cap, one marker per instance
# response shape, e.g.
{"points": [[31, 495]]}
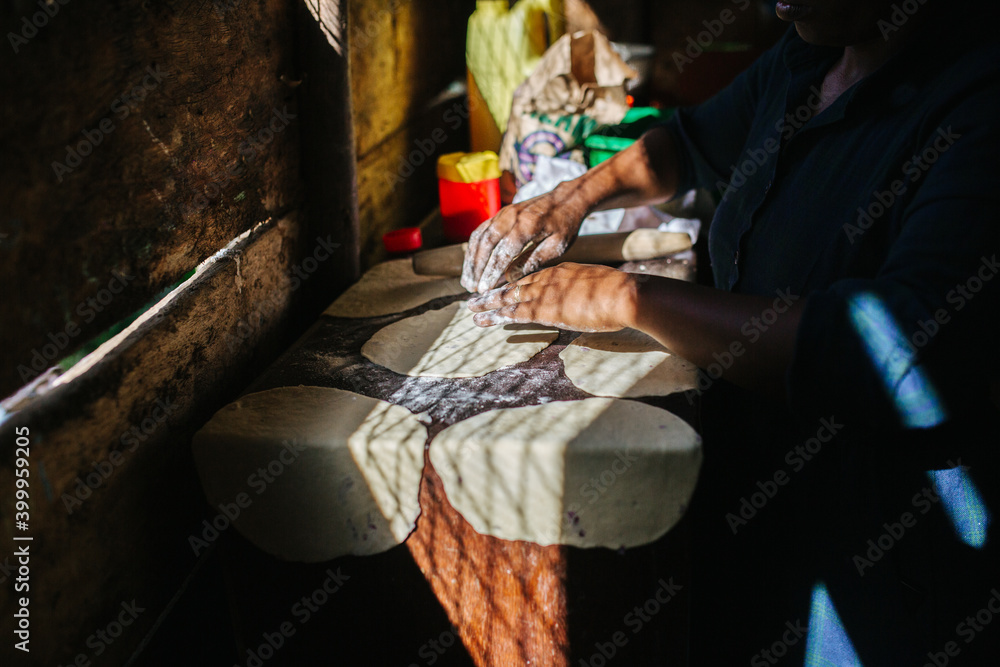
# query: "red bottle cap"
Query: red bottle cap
{"points": [[403, 240]]}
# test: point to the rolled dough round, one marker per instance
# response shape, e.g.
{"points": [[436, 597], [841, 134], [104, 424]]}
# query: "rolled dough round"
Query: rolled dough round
{"points": [[447, 343], [323, 472], [626, 364], [392, 287], [597, 472]]}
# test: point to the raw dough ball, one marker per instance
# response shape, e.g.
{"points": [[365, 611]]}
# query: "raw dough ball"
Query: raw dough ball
{"points": [[345, 471], [597, 472], [392, 287], [626, 364], [447, 343]]}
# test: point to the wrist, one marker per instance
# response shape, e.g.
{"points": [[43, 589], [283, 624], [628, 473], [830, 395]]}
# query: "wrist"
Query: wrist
{"points": [[579, 196], [632, 299]]}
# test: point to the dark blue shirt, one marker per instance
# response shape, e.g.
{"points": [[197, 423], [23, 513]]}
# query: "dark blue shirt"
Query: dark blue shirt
{"points": [[880, 215]]}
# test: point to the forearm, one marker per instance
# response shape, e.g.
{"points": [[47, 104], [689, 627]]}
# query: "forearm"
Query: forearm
{"points": [[644, 173], [747, 339]]}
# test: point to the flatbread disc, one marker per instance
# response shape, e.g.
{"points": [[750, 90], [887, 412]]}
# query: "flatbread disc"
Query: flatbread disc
{"points": [[447, 343], [597, 472], [322, 472], [392, 287], [626, 364]]}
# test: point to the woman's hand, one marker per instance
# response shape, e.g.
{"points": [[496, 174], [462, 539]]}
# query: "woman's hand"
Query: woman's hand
{"points": [[549, 223], [573, 297], [643, 173]]}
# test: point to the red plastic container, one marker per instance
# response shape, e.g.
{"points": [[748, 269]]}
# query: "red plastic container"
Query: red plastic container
{"points": [[469, 189]]}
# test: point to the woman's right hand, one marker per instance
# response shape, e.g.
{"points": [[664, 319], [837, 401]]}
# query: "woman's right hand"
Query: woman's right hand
{"points": [[549, 223]]}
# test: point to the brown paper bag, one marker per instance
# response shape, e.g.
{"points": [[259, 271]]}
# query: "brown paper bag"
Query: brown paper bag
{"points": [[578, 87]]}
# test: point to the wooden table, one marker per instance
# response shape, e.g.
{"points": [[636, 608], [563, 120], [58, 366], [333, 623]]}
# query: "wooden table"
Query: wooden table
{"points": [[449, 595]]}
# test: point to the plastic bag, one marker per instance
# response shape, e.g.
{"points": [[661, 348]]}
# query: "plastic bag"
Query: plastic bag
{"points": [[578, 87]]}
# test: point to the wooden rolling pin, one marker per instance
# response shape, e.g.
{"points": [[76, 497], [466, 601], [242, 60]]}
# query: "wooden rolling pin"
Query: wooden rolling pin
{"points": [[637, 245]]}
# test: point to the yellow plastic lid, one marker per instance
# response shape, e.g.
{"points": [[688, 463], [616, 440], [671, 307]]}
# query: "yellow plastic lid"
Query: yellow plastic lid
{"points": [[468, 167]]}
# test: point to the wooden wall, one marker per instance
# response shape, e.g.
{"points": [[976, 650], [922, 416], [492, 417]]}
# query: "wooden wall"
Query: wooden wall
{"points": [[138, 140], [182, 123], [404, 56]]}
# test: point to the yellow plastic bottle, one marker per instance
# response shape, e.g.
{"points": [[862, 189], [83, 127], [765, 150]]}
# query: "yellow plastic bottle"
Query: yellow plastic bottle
{"points": [[503, 46]]}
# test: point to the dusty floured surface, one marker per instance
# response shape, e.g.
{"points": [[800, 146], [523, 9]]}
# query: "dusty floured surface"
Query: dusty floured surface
{"points": [[596, 472], [447, 343], [626, 364], [341, 471]]}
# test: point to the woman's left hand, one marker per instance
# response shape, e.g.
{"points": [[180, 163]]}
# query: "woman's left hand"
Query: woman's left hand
{"points": [[573, 297]]}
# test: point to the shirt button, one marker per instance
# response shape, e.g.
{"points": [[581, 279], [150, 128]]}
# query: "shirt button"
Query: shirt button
{"points": [[736, 258], [767, 188]]}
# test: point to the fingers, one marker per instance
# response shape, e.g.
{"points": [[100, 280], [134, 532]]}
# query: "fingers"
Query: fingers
{"points": [[497, 243], [572, 297], [492, 247], [503, 254], [548, 250], [476, 256], [508, 295], [518, 313]]}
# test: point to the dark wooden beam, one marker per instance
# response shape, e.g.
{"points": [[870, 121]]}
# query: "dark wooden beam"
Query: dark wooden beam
{"points": [[114, 494], [138, 139]]}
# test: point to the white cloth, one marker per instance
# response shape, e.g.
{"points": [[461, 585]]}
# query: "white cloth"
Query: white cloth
{"points": [[550, 172]]}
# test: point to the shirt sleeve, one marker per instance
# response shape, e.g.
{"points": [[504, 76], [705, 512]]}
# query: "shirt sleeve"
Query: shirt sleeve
{"points": [[915, 346], [711, 135]]}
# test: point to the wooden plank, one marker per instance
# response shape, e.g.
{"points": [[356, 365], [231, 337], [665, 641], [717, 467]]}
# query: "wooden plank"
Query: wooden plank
{"points": [[403, 54], [506, 599], [127, 537], [397, 181], [518, 603], [327, 149], [138, 139], [123, 426]]}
